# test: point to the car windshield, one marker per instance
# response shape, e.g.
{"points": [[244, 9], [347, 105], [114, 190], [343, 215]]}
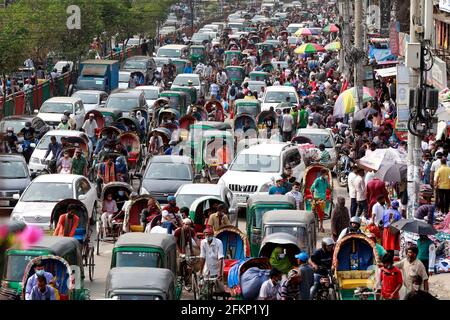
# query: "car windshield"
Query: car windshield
{"points": [[161, 62], [12, 170], [200, 36], [278, 97], [122, 103], [186, 200], [168, 171], [135, 64], [197, 50], [135, 297], [15, 267], [17, 125], [297, 231], [259, 213], [138, 259], [247, 109], [183, 81], [174, 53], [151, 94], [256, 163], [43, 143], [124, 77], [55, 107], [318, 139], [48, 192], [87, 98]]}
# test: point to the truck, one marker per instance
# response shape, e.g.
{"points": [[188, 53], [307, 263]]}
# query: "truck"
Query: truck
{"points": [[100, 75]]}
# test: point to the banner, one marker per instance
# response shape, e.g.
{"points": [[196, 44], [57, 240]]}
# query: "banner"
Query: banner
{"points": [[437, 77], [402, 98], [393, 38], [385, 17]]}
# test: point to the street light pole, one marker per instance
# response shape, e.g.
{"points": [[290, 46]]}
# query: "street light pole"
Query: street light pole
{"points": [[358, 68]]}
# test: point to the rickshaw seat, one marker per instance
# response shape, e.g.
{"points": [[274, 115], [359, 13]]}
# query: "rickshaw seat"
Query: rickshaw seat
{"points": [[355, 278], [80, 234], [136, 228]]}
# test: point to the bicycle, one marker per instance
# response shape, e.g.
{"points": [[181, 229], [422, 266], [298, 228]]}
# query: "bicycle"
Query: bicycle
{"points": [[203, 288], [187, 264]]}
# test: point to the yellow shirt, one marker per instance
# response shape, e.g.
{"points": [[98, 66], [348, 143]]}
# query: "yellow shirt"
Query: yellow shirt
{"points": [[215, 223], [442, 177]]}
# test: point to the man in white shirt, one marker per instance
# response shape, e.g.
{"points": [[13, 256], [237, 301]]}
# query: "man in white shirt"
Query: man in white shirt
{"points": [[352, 191], [271, 287], [89, 127], [288, 125], [214, 88], [211, 254], [360, 188], [435, 166], [378, 210]]}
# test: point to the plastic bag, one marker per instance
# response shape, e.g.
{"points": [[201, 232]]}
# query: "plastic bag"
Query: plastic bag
{"points": [[251, 282]]}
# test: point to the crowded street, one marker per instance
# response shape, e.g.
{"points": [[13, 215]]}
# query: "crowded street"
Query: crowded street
{"points": [[222, 150]]}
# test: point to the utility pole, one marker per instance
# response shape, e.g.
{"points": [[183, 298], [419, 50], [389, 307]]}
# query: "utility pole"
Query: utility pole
{"points": [[413, 141], [345, 11], [358, 68]]}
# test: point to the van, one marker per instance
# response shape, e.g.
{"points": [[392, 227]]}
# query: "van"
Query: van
{"points": [[173, 51]]}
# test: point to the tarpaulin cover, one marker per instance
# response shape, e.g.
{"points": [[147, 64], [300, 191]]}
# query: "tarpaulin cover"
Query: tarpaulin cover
{"points": [[251, 282]]}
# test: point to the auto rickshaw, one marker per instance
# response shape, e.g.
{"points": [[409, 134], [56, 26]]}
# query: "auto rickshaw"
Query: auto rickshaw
{"points": [[19, 262], [200, 210], [197, 54], [99, 119], [311, 173], [215, 111], [109, 115], [299, 223], [355, 267], [77, 142], [177, 100], [257, 206], [259, 75], [286, 241], [192, 98], [132, 218], [245, 127], [251, 107], [148, 250], [230, 55], [180, 64], [85, 232], [266, 65], [131, 142], [134, 283], [235, 74]]}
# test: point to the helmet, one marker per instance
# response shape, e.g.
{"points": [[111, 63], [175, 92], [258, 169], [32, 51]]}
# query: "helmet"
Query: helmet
{"points": [[327, 242], [355, 219], [395, 204]]}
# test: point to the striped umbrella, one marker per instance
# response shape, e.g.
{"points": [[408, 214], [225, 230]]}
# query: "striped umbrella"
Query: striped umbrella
{"points": [[303, 32], [331, 28], [333, 46], [308, 48], [347, 100]]}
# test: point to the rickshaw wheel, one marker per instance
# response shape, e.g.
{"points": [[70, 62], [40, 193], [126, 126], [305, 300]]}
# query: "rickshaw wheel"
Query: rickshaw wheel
{"points": [[98, 240], [194, 286], [91, 264]]}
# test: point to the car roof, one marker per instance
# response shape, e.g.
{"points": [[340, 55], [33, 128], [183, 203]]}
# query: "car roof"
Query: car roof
{"points": [[288, 216], [173, 46], [188, 75], [201, 188], [65, 133], [89, 91], [174, 159], [11, 157], [126, 93], [270, 199], [18, 117], [65, 178], [139, 278], [147, 88], [280, 89], [63, 99], [269, 149], [138, 58], [314, 131]]}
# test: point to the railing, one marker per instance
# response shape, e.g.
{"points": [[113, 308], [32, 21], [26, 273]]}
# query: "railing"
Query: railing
{"points": [[23, 102]]}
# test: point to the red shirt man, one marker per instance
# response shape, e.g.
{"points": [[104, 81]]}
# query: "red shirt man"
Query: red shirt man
{"points": [[375, 188], [391, 279]]}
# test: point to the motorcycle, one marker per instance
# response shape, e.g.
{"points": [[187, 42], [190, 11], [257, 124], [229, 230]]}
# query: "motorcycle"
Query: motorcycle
{"points": [[27, 148], [326, 289], [343, 168]]}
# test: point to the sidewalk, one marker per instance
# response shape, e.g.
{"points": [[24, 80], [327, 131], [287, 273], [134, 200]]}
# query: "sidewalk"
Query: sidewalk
{"points": [[440, 286]]}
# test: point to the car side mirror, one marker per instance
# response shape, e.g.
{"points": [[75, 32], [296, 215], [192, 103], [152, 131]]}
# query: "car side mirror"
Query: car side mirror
{"points": [[32, 145], [82, 197], [16, 196], [154, 54]]}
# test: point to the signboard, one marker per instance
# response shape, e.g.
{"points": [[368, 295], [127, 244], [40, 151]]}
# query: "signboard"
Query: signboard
{"points": [[393, 39], [385, 17], [402, 97], [437, 77], [444, 5]]}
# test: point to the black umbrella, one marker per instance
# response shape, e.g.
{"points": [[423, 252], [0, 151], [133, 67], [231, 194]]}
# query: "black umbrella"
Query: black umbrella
{"points": [[414, 226], [392, 172]]}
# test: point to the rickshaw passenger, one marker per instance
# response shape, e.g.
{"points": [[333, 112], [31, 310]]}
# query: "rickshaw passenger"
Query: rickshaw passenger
{"points": [[39, 270], [42, 291], [170, 215], [67, 223], [184, 237], [142, 121], [122, 172], [150, 212], [122, 197], [106, 172], [109, 208], [219, 219], [156, 144]]}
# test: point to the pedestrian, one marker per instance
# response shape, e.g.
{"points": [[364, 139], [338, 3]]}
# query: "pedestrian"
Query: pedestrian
{"points": [[391, 238], [278, 188], [374, 188], [67, 223], [378, 210], [391, 279], [219, 219], [417, 294], [144, 47], [306, 273], [90, 126], [442, 185], [319, 189], [289, 289], [424, 246], [425, 213], [79, 163], [352, 191], [412, 267], [340, 218], [303, 117], [271, 287], [435, 166], [358, 184]]}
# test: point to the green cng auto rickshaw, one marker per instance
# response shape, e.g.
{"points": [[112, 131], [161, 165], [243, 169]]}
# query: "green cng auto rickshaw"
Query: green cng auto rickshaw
{"points": [[231, 54], [17, 264], [197, 53], [251, 107], [177, 100], [180, 64], [259, 75], [257, 206], [133, 283], [191, 94], [110, 115], [235, 74], [299, 223]]}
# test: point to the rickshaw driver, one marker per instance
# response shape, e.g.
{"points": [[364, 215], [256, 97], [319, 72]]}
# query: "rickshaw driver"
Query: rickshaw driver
{"points": [[39, 270], [185, 238], [355, 224], [321, 261], [211, 254], [67, 223], [319, 188], [149, 213]]}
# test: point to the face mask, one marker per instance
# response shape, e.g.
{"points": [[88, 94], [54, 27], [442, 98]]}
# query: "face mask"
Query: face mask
{"points": [[40, 272], [210, 238], [416, 287], [10, 134], [121, 193], [281, 256]]}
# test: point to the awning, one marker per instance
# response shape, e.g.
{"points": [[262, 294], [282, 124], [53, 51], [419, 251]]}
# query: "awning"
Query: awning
{"points": [[387, 72], [444, 17]]}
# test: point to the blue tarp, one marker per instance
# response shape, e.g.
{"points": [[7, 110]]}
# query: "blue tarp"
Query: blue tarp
{"points": [[381, 54]]}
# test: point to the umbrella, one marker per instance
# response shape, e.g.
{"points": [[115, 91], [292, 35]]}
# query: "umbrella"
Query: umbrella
{"points": [[374, 159], [333, 63], [363, 113], [414, 226], [333, 46], [331, 28], [309, 48], [346, 101], [303, 32], [392, 172]]}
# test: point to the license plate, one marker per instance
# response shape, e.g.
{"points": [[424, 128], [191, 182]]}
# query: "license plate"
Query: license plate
{"points": [[241, 199], [4, 203]]}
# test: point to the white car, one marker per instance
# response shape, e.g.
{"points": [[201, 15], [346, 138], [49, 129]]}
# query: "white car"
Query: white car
{"points": [[61, 64], [36, 204], [92, 99], [38, 160], [321, 136], [151, 94], [275, 95], [182, 81], [256, 168], [124, 79], [53, 109]]}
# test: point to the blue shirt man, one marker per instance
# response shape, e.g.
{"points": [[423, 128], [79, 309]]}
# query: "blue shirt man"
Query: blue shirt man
{"points": [[188, 69], [32, 281], [278, 188], [42, 291], [54, 147]]}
